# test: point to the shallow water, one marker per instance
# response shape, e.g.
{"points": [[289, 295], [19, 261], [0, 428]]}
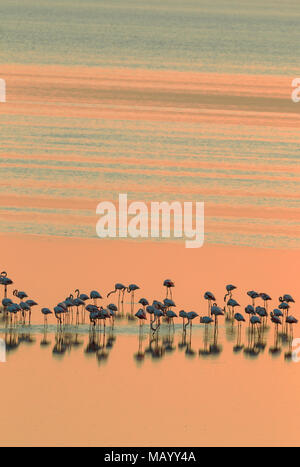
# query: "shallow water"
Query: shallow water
{"points": [[129, 388], [166, 101]]}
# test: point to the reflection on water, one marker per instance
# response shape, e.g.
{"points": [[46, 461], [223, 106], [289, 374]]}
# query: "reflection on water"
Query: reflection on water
{"points": [[201, 341]]}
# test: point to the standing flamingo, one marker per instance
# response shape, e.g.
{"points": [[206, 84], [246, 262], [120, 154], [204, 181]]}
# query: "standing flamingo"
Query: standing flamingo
{"points": [[262, 312], [77, 303], [141, 315], [150, 309], [229, 289], [169, 284], [210, 298], [131, 289], [250, 311], [171, 315], [232, 304], [239, 318], [5, 281], [31, 303], [144, 302], [94, 295], [291, 320], [191, 315], [266, 298], [21, 295], [113, 310], [121, 289], [287, 298], [183, 315], [255, 321], [46, 312], [216, 311], [253, 295], [84, 297]]}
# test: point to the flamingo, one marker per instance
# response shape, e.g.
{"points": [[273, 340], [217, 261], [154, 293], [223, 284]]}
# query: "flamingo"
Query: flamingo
{"points": [[46, 312], [141, 315], [131, 289], [250, 311], [21, 295], [287, 298], [12, 310], [157, 315], [266, 298], [191, 315], [169, 284], [113, 310], [252, 294], [144, 302], [94, 315], [171, 315], [210, 298], [277, 312], [150, 309], [78, 302], [183, 315], [31, 303], [25, 307], [255, 321], [229, 289], [5, 281], [284, 306], [5, 303], [206, 320], [239, 318], [121, 289], [84, 297], [157, 304], [276, 320], [94, 295], [216, 311], [58, 310], [262, 312], [233, 304], [169, 303], [291, 320]]}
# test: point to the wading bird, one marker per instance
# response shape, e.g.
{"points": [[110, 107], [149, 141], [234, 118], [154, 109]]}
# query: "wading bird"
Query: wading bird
{"points": [[120, 288], [21, 295], [255, 321], [94, 295], [229, 290], [239, 318], [144, 302], [46, 312], [191, 315], [184, 316], [5, 281], [141, 315], [252, 294], [210, 298], [169, 284], [216, 311], [171, 315], [266, 298], [250, 311], [291, 320]]}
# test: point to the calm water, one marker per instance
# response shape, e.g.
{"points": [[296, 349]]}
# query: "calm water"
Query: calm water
{"points": [[168, 100], [175, 388], [220, 36], [162, 100]]}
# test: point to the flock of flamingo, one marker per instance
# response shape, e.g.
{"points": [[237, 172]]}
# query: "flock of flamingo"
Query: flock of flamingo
{"points": [[76, 310], [157, 311]]}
